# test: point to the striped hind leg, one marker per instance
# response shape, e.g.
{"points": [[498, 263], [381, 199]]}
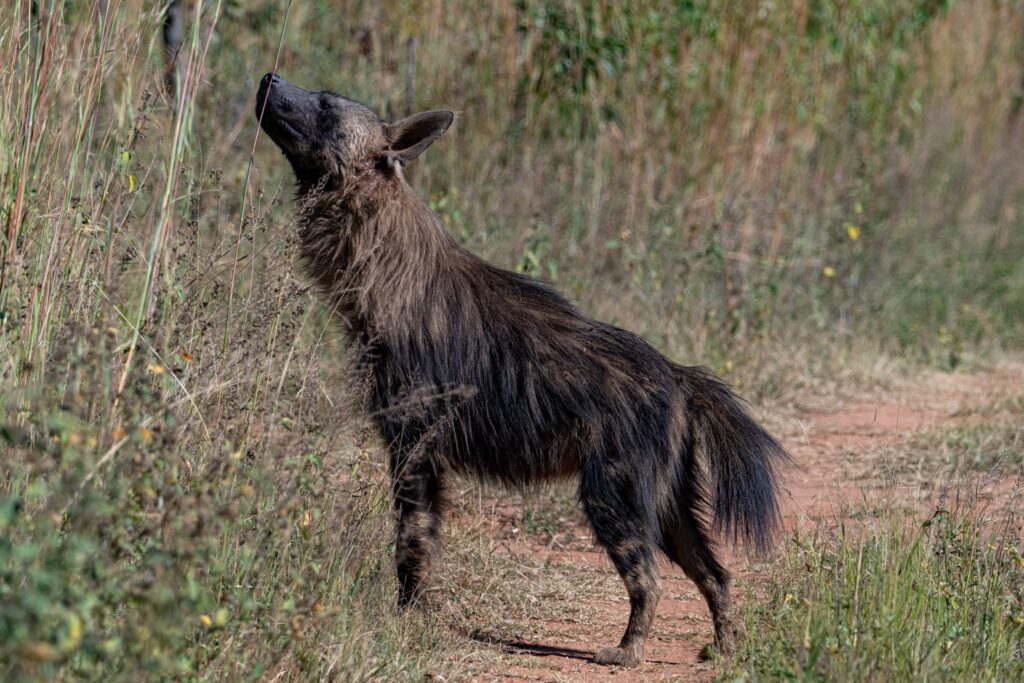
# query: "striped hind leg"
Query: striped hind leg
{"points": [[691, 547], [622, 522]]}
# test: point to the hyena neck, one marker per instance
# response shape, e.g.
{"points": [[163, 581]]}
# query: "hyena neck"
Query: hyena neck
{"points": [[373, 249]]}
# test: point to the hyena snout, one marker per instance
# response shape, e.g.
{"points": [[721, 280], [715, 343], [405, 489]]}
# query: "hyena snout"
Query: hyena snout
{"points": [[267, 83], [288, 113]]}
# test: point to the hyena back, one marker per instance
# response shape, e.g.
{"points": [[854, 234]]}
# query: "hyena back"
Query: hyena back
{"points": [[480, 371]]}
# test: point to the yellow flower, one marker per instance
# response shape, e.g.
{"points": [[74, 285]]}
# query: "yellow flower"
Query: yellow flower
{"points": [[74, 633], [205, 620], [853, 231], [828, 271], [155, 368]]}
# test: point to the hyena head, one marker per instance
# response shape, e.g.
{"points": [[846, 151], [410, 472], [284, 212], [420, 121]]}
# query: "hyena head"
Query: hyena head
{"points": [[329, 138]]}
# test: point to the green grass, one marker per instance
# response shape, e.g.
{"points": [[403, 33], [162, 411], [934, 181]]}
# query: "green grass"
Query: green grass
{"points": [[890, 601], [185, 491]]}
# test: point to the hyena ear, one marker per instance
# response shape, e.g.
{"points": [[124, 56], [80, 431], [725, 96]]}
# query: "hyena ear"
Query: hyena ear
{"points": [[410, 137]]}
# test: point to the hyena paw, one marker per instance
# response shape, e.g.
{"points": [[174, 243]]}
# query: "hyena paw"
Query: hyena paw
{"points": [[616, 656], [422, 598], [723, 647], [725, 640], [708, 653], [410, 598]]}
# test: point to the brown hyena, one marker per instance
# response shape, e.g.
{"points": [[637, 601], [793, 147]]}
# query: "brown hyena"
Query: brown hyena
{"points": [[477, 370]]}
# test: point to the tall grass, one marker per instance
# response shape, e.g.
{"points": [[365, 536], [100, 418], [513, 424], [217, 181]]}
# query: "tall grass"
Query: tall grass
{"points": [[939, 601], [183, 489]]}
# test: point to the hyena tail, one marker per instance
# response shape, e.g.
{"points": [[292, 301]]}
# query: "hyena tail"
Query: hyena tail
{"points": [[733, 463]]}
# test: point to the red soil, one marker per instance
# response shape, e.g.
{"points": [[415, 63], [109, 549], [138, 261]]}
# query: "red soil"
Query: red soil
{"points": [[834, 472]]}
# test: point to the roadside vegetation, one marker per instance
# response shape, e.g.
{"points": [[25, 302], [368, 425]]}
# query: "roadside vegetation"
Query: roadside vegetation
{"points": [[918, 577], [935, 600], [800, 195]]}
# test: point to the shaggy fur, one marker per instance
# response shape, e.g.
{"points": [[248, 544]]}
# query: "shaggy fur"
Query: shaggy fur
{"points": [[480, 371]]}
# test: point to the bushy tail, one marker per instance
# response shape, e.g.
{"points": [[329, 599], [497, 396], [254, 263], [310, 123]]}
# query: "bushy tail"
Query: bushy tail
{"points": [[736, 459]]}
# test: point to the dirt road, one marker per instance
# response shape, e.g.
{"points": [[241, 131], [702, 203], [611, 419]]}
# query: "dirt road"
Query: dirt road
{"points": [[843, 458]]}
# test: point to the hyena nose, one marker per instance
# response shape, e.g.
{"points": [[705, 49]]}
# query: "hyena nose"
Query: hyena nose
{"points": [[270, 79]]}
